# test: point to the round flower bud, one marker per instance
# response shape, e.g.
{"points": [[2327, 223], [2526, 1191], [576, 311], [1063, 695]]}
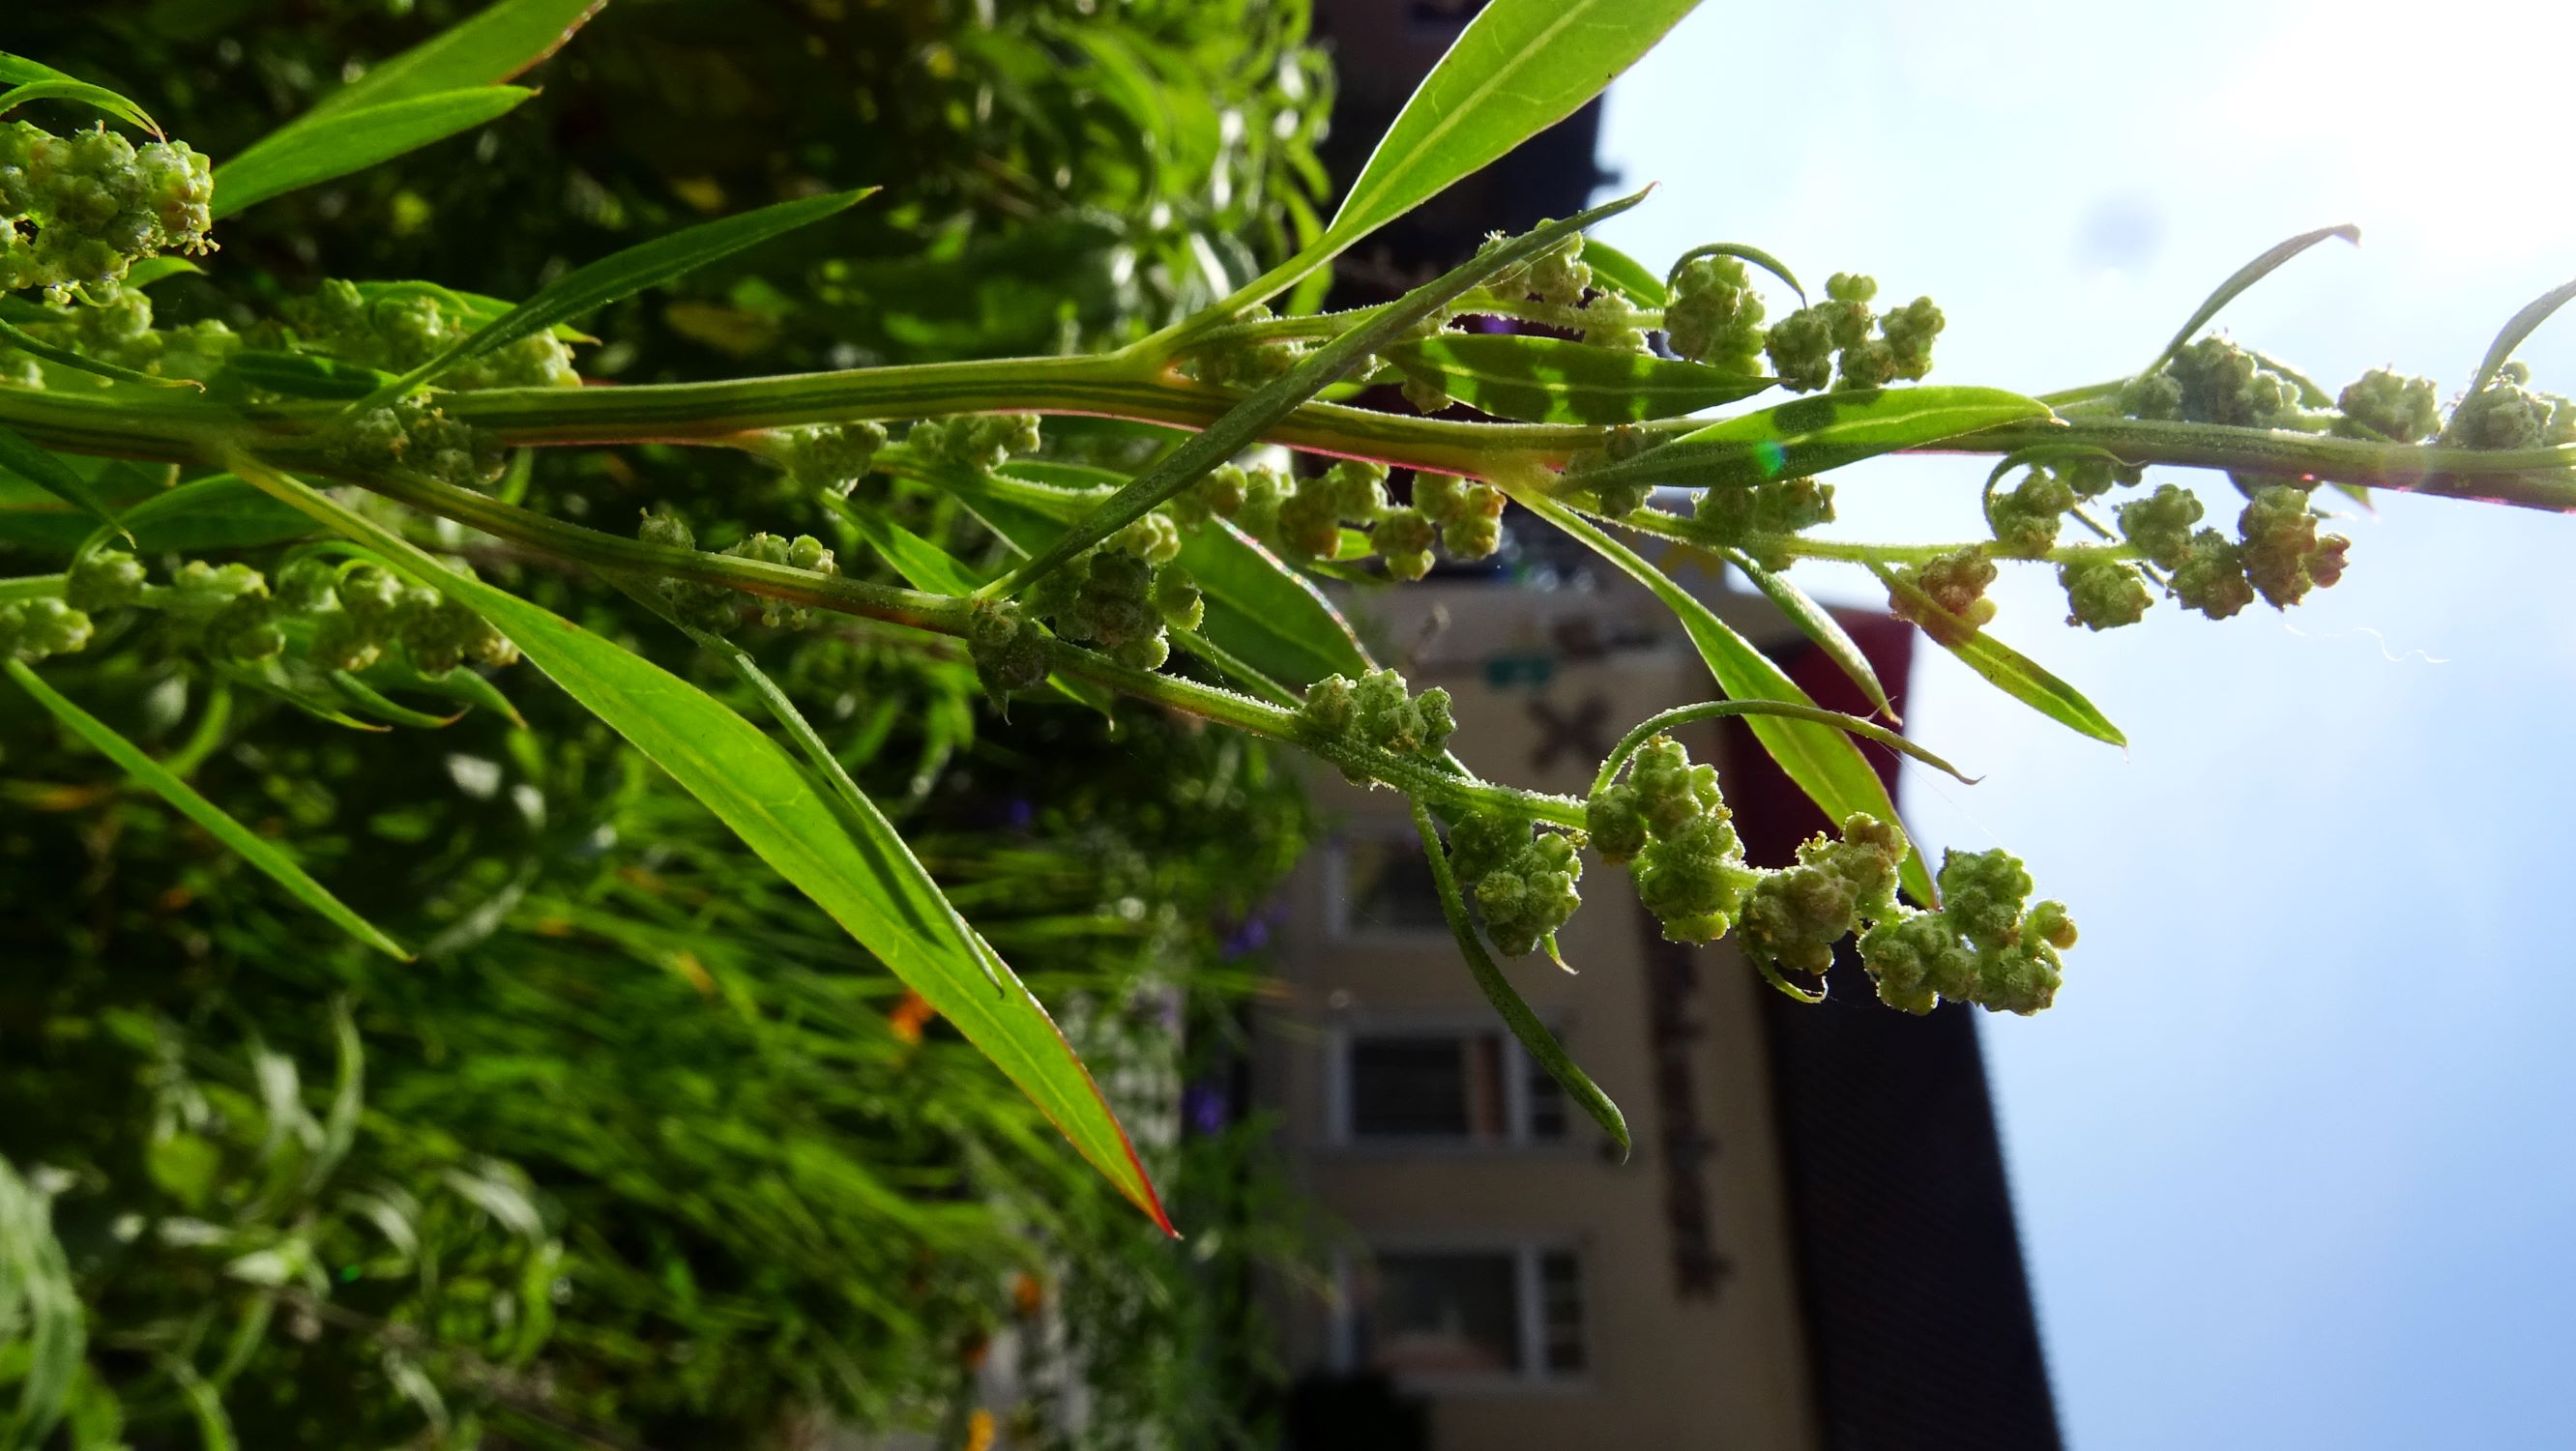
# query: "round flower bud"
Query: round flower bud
{"points": [[2102, 593], [103, 579], [1560, 275], [1404, 538], [2160, 524], [31, 630], [1614, 823], [1982, 894], [1801, 348], [1956, 582], [2284, 557], [2026, 520], [1693, 880], [2211, 577], [1909, 331], [2384, 404]]}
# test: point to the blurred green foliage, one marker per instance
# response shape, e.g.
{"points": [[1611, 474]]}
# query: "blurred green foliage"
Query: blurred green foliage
{"points": [[642, 1151]]}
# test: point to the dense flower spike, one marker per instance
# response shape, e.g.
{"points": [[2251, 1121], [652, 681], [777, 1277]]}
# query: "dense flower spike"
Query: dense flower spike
{"points": [[1792, 918], [2160, 524], [2027, 519], [2211, 577], [1956, 582], [1670, 823], [412, 436], [831, 457], [979, 441], [1008, 648], [76, 212], [113, 324], [1469, 513], [1982, 947], [31, 630], [1715, 317], [1378, 712], [2508, 414], [1832, 341]]}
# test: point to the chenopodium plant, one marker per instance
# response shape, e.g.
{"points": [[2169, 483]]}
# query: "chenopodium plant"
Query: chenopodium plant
{"points": [[394, 420]]}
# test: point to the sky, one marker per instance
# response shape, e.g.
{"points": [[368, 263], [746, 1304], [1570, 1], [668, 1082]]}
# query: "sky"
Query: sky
{"points": [[2292, 1153]]}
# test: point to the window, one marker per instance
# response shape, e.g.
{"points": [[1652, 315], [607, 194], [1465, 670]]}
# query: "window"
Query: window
{"points": [[1450, 1316], [1468, 1086], [1382, 885]]}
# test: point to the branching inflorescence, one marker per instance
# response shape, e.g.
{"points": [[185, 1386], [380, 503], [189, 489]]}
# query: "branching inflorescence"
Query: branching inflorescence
{"points": [[1581, 408]]}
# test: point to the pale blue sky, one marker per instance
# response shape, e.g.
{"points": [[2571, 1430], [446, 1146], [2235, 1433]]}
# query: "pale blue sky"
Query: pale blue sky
{"points": [[2293, 1152]]}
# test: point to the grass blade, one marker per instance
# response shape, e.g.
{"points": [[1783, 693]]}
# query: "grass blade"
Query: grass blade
{"points": [[1533, 1034], [2521, 326], [1556, 380], [2003, 667], [1815, 434], [222, 827], [1616, 271], [40, 1304], [1820, 758], [623, 274], [871, 884], [27, 342], [304, 153], [2245, 277], [23, 75]]}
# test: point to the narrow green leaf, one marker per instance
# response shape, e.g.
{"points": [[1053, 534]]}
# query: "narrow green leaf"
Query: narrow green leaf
{"points": [[1518, 68], [308, 152], [922, 564], [1819, 626], [24, 341], [375, 703], [40, 1304], [1623, 274], [475, 307], [623, 274], [297, 375], [52, 475], [1821, 759], [1541, 1044], [872, 886], [1815, 434], [1655, 725], [1740, 252], [18, 72], [496, 45], [2003, 667], [1246, 421], [465, 687], [2243, 278], [1557, 380], [219, 511], [154, 269], [256, 850], [2521, 326], [97, 98]]}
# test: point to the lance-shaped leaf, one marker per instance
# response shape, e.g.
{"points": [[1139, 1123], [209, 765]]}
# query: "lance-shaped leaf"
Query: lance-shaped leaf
{"points": [[496, 45], [1541, 1044], [1819, 626], [1822, 760], [41, 1305], [220, 511], [1239, 426], [1815, 434], [623, 274], [2003, 667], [296, 375], [2521, 325], [27, 342], [351, 141], [29, 80], [869, 882], [1518, 68], [253, 848], [1741, 253], [2245, 277], [51, 474], [1556, 380]]}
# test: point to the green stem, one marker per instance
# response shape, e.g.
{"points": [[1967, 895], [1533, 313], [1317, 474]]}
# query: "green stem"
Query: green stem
{"points": [[32, 587]]}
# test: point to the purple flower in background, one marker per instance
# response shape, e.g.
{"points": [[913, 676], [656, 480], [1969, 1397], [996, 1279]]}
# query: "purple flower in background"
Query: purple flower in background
{"points": [[1203, 1107], [1020, 814], [1249, 936]]}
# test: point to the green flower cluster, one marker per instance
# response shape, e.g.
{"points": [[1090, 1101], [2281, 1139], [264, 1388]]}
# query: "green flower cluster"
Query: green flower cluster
{"points": [[982, 442], [337, 616], [1714, 315], [1303, 520], [1620, 444], [1245, 365], [2026, 520], [2389, 406], [411, 435], [1669, 823], [30, 630], [2508, 414], [1008, 648], [116, 328], [1982, 947], [1794, 916], [830, 457], [1123, 596], [2103, 592], [78, 211], [1761, 518], [1956, 582], [1523, 880], [1378, 713], [2214, 381], [716, 609], [395, 329], [1832, 340], [2283, 555], [2205, 570]]}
